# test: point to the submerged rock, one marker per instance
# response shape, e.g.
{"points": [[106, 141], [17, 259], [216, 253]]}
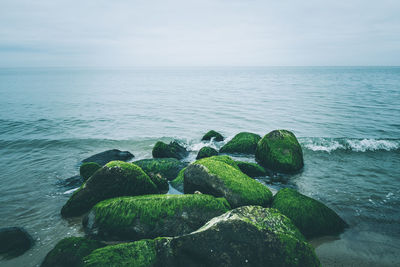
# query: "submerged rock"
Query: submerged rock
{"points": [[312, 217], [72, 182], [280, 151], [242, 143], [206, 151], [109, 155], [212, 134], [171, 150], [251, 169], [87, 169], [215, 177], [134, 218], [116, 178], [14, 241], [70, 251], [168, 168]]}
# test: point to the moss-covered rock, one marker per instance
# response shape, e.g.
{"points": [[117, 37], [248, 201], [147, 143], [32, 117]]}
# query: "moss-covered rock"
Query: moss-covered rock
{"points": [[242, 143], [206, 151], [212, 134], [168, 168], [246, 236], [215, 177], [171, 150], [106, 156], [70, 251], [160, 182], [312, 217], [251, 169], [150, 216], [14, 241], [280, 151], [87, 169], [116, 178]]}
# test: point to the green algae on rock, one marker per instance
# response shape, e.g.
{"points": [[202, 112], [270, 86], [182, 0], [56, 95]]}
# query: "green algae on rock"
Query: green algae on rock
{"points": [[312, 217], [212, 134], [168, 168], [171, 150], [70, 251], [87, 169], [116, 178], [206, 151], [177, 183], [242, 143], [280, 151], [150, 216], [251, 169], [215, 177]]}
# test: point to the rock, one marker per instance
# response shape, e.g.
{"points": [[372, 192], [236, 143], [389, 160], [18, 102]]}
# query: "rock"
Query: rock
{"points": [[309, 215], [168, 168], [160, 182], [14, 241], [171, 150], [280, 151], [87, 169], [116, 178], [217, 178], [134, 218], [70, 251], [212, 134], [72, 182], [242, 143], [109, 155], [206, 151], [251, 169]]}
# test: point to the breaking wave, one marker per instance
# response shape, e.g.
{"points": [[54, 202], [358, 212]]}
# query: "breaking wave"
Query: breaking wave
{"points": [[357, 145]]}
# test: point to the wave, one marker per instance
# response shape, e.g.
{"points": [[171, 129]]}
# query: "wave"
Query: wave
{"points": [[352, 144]]}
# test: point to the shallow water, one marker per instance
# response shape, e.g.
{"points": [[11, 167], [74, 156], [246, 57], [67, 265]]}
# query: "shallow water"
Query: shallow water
{"points": [[347, 120]]}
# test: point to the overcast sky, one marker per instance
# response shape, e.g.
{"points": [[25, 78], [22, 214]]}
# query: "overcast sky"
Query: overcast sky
{"points": [[199, 33]]}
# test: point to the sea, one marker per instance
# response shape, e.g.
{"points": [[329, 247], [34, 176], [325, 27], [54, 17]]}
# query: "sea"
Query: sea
{"points": [[347, 120]]}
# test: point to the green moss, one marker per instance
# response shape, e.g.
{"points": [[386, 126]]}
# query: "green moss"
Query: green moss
{"points": [[168, 168], [225, 159], [212, 134], [242, 143], [138, 254], [70, 252], [177, 183], [87, 169], [280, 151], [251, 169], [206, 152], [312, 217], [243, 190], [171, 150]]}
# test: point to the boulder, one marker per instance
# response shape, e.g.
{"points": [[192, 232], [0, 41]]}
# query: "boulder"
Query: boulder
{"points": [[150, 216], [212, 134], [171, 150], [70, 251], [87, 169], [280, 151], [168, 168], [116, 178], [242, 143], [14, 241], [312, 217], [160, 182], [251, 169], [206, 151], [215, 177], [109, 155]]}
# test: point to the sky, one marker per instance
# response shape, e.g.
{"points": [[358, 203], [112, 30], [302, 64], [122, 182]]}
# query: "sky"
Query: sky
{"points": [[128, 33]]}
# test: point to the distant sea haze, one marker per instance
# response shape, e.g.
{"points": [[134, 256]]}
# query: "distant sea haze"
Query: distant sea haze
{"points": [[347, 120]]}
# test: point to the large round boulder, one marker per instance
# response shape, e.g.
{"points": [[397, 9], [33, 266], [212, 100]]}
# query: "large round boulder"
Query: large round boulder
{"points": [[171, 150], [242, 143], [106, 156], [215, 177], [280, 151], [87, 169], [14, 241], [70, 251], [168, 168], [312, 217], [206, 151], [251, 169], [116, 178], [216, 136], [150, 216]]}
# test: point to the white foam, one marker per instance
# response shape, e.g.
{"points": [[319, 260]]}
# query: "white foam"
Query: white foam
{"points": [[357, 145], [372, 145]]}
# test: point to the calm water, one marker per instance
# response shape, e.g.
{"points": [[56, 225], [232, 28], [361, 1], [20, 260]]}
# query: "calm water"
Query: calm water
{"points": [[347, 120]]}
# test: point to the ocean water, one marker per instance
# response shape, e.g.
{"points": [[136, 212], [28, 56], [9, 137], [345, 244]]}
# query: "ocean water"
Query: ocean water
{"points": [[347, 120]]}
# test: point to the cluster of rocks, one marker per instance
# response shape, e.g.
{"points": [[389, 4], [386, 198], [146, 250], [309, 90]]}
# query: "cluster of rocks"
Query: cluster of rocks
{"points": [[224, 218]]}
